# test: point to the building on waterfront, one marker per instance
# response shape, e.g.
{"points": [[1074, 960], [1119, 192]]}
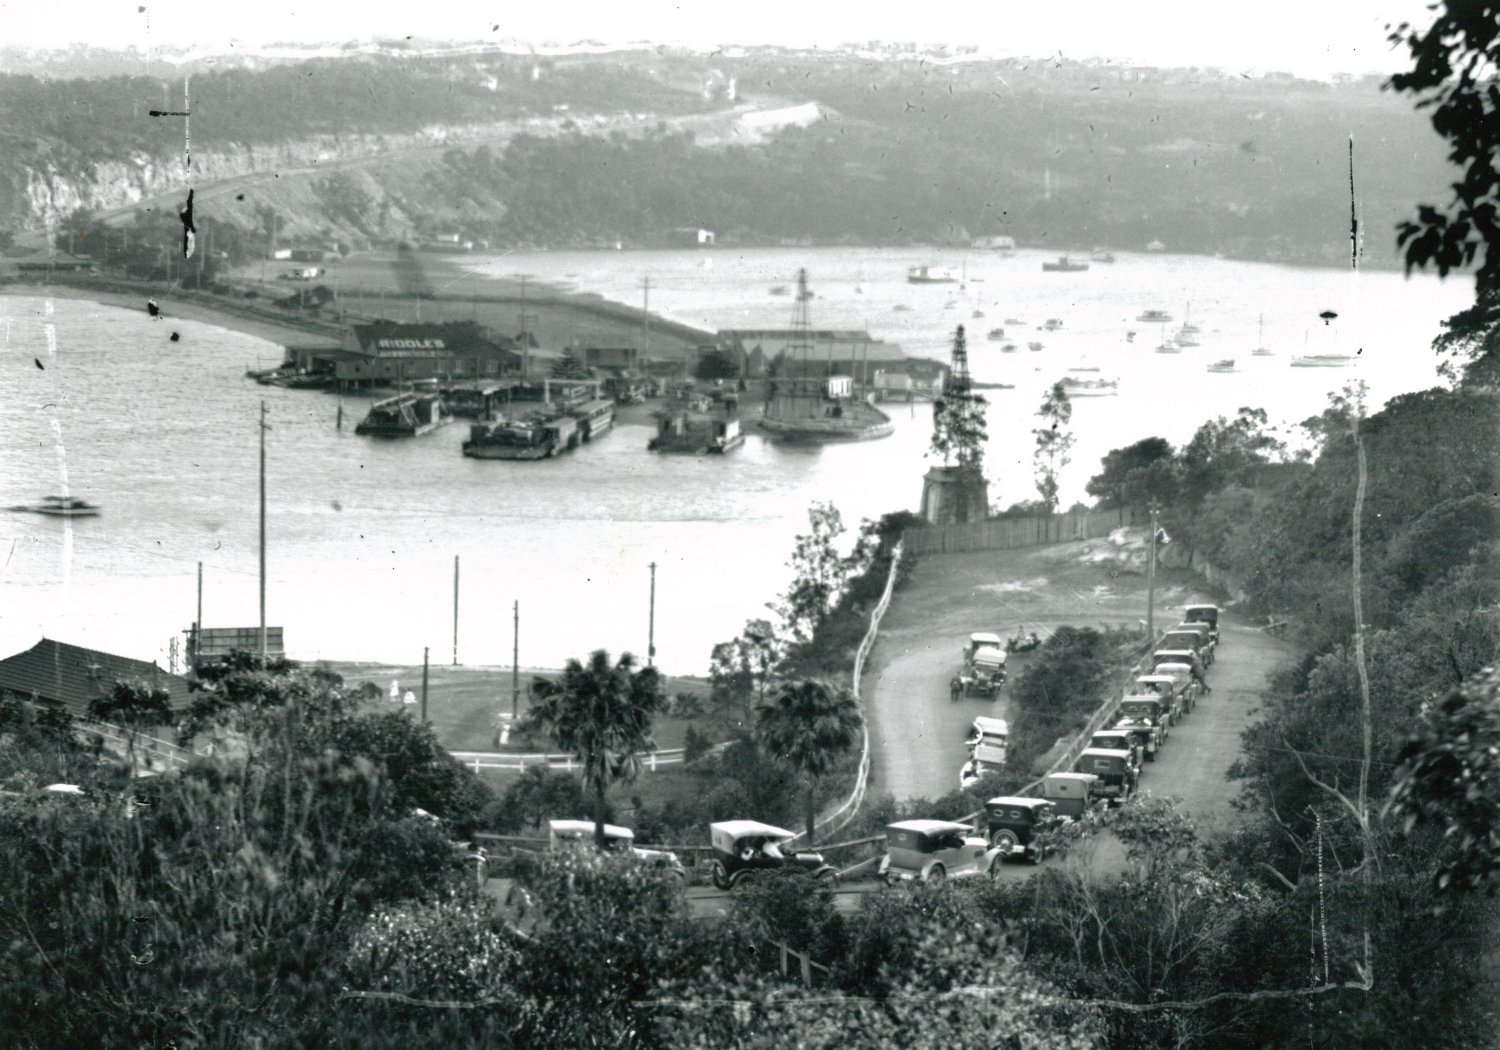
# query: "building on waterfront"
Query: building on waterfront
{"points": [[72, 676], [386, 351], [850, 352], [211, 645]]}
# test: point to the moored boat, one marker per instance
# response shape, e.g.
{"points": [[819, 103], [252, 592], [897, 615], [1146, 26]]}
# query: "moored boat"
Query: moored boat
{"points": [[1322, 361], [1103, 255], [1034, 347], [996, 334], [1052, 324], [405, 415], [1064, 265], [1154, 317], [537, 435], [593, 417], [694, 434], [930, 275], [1226, 365], [1091, 387], [1260, 340], [61, 507]]}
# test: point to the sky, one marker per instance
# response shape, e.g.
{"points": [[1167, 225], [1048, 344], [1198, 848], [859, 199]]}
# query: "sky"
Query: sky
{"points": [[1306, 38]]}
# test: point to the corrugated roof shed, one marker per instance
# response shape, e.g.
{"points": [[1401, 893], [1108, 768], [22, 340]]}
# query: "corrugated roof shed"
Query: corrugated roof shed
{"points": [[74, 675]]}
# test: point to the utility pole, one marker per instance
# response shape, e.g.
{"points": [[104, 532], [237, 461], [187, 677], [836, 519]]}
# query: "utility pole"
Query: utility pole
{"points": [[455, 610], [651, 623], [515, 663], [1151, 583], [424, 682], [198, 622], [646, 316], [264, 426]]}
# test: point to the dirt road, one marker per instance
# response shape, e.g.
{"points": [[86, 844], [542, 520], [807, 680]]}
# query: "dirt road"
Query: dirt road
{"points": [[917, 733]]}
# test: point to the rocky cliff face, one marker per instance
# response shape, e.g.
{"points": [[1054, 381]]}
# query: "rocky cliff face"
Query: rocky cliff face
{"points": [[45, 195]]}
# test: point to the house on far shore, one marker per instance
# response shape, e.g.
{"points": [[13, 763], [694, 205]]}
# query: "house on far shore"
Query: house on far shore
{"points": [[73, 676]]}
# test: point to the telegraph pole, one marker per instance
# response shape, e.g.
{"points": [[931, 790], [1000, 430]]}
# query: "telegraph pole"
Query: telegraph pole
{"points": [[515, 662], [198, 623], [646, 315], [264, 426], [651, 623], [425, 650], [455, 610], [1151, 583]]}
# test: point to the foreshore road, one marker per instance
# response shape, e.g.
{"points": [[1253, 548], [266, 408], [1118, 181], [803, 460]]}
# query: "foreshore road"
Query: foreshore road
{"points": [[917, 732]]}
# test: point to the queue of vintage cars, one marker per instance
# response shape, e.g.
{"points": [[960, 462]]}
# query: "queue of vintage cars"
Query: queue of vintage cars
{"points": [[933, 852]]}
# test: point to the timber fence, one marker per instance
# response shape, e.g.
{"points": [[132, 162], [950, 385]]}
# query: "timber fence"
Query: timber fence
{"points": [[1008, 533], [650, 761], [847, 810]]}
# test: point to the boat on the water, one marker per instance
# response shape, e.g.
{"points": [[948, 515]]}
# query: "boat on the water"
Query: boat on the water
{"points": [[1260, 341], [536, 435], [930, 275], [804, 404], [779, 289], [1034, 347], [901, 308], [977, 314], [1187, 321], [1322, 361], [593, 417], [1154, 317], [1052, 324], [405, 415], [1014, 320], [1064, 265], [1008, 348], [695, 434], [1103, 255], [1185, 339], [996, 334], [1091, 387], [1226, 365], [61, 507]]}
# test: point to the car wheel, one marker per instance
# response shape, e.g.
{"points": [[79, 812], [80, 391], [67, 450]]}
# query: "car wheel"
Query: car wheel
{"points": [[1005, 841], [936, 876], [720, 876]]}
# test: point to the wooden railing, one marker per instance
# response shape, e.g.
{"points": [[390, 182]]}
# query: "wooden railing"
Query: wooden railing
{"points": [[510, 761]]}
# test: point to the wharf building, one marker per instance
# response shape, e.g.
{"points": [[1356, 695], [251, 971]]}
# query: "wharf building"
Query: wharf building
{"points": [[382, 353]]}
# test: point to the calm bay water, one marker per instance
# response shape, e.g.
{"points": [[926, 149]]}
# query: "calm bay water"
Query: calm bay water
{"points": [[363, 533]]}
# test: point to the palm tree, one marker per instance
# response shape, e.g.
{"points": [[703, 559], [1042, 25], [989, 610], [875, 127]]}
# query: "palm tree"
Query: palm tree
{"points": [[600, 714], [809, 725]]}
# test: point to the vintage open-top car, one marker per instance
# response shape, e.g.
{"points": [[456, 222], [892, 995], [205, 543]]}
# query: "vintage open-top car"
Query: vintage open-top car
{"points": [[744, 847], [1015, 824], [1071, 794], [1116, 772], [934, 851], [1168, 688], [988, 739], [1119, 740], [1208, 614], [1180, 666], [1192, 640], [984, 665], [1146, 731], [562, 834], [1149, 709], [1206, 642]]}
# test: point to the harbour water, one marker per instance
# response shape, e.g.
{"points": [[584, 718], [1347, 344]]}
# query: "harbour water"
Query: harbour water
{"points": [[363, 532]]}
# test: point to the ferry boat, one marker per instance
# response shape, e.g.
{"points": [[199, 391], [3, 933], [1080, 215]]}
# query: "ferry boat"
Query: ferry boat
{"points": [[929, 275], [61, 507], [695, 435], [538, 435], [405, 415], [1154, 317], [593, 417], [1064, 265]]}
